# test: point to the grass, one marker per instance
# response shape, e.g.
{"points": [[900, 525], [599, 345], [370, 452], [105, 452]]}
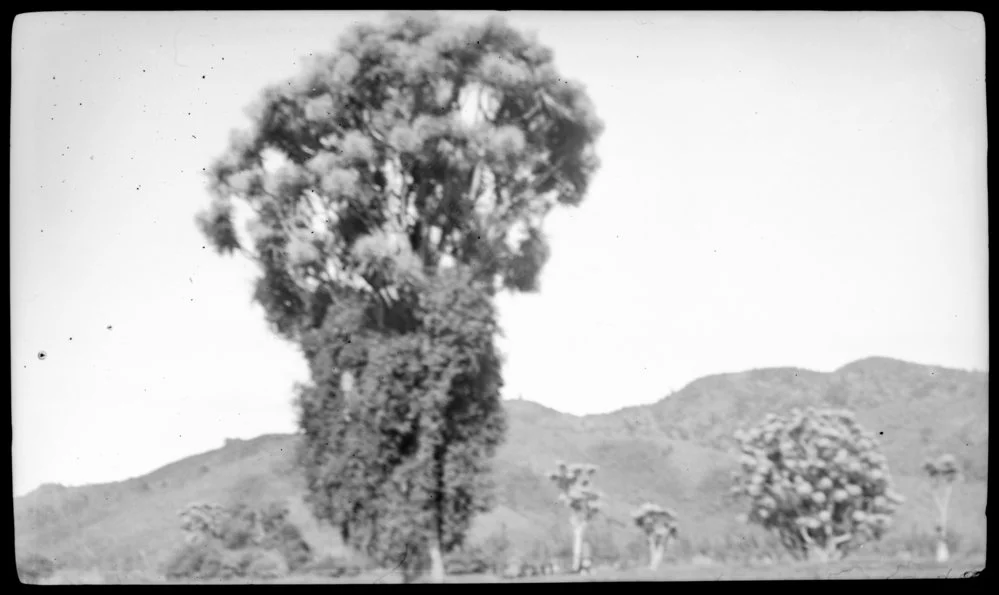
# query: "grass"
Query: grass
{"points": [[870, 567]]}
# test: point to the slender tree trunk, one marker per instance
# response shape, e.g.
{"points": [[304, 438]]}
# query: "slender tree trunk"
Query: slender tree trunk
{"points": [[578, 528], [656, 551], [943, 551], [436, 561], [436, 557]]}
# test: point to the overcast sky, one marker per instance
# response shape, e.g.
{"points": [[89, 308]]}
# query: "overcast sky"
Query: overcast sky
{"points": [[777, 189]]}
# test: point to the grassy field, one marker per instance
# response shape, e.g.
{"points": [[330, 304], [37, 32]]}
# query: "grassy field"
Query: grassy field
{"points": [[870, 568]]}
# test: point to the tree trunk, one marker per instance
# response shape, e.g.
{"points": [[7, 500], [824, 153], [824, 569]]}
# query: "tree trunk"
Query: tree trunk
{"points": [[436, 562], [656, 551], [578, 529], [943, 552]]}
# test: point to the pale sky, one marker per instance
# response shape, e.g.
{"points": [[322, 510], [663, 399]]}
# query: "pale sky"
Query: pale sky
{"points": [[776, 189]]}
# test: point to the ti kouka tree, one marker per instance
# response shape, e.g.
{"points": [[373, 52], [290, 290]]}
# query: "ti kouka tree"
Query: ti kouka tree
{"points": [[818, 480], [576, 492], [659, 526], [943, 473], [387, 193]]}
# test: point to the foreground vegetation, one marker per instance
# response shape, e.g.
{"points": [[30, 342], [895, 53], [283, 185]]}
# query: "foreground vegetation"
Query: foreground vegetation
{"points": [[871, 567]]}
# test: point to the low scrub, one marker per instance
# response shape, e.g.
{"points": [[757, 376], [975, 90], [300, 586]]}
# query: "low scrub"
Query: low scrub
{"points": [[195, 561], [330, 566], [238, 542]]}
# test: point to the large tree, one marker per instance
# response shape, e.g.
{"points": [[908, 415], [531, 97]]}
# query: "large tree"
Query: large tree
{"points": [[388, 193], [818, 480]]}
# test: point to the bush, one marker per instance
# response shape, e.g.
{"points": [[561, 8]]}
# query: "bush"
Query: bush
{"points": [[195, 561], [32, 568], [233, 564], [239, 541], [288, 541], [238, 528], [266, 564]]}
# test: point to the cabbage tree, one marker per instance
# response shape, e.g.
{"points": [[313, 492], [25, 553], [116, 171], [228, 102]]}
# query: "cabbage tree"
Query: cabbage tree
{"points": [[576, 492], [659, 525], [943, 473]]}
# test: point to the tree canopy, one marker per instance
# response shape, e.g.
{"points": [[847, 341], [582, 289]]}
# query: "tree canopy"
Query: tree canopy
{"points": [[416, 146], [818, 480]]}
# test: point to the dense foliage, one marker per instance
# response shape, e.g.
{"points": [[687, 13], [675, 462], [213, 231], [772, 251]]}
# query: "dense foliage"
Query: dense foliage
{"points": [[401, 457], [422, 142], [238, 541], [391, 190], [818, 480]]}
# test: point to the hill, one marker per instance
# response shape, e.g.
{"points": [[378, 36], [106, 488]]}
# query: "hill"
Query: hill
{"points": [[676, 452]]}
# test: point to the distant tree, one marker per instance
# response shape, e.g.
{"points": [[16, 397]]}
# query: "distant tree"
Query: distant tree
{"points": [[943, 474], [392, 189], [659, 526], [576, 492], [818, 480]]}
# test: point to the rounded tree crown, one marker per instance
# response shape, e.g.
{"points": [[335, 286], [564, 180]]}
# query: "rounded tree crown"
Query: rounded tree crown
{"points": [[418, 145]]}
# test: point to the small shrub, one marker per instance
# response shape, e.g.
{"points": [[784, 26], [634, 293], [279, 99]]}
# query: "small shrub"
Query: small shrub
{"points": [[288, 541], [195, 561], [233, 564], [266, 564]]}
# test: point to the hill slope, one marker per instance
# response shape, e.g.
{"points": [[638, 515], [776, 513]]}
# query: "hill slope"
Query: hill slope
{"points": [[674, 452]]}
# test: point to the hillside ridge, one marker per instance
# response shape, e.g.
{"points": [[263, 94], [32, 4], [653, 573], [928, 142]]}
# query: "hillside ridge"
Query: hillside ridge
{"points": [[528, 404], [676, 451]]}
